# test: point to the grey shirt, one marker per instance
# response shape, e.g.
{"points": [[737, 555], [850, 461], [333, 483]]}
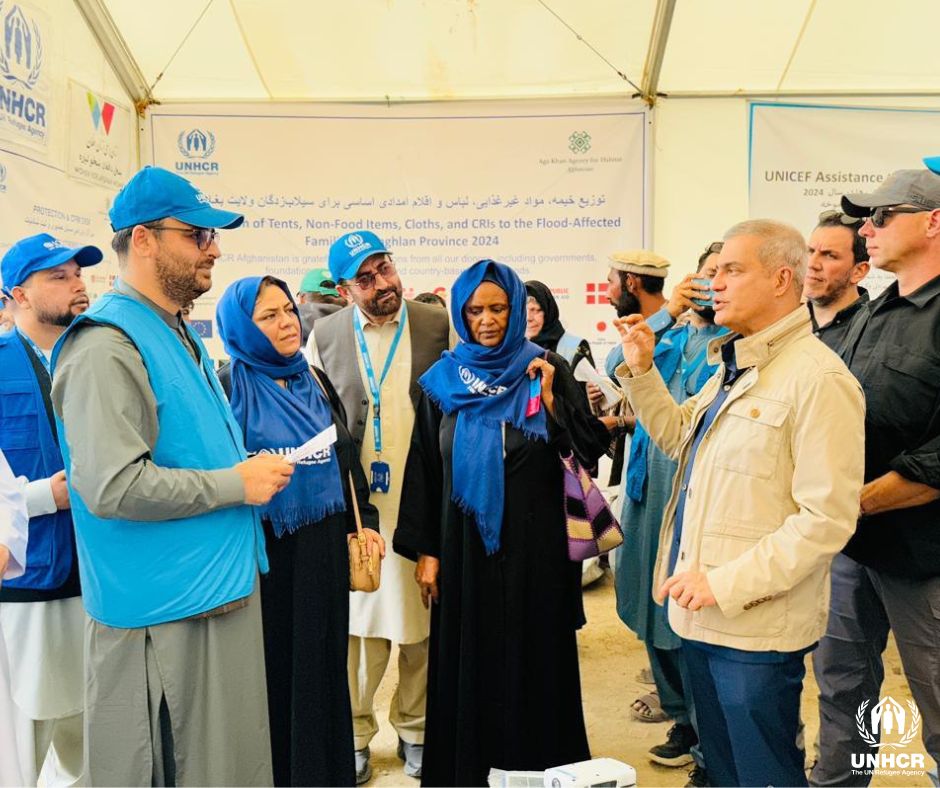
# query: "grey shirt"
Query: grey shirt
{"points": [[102, 394]]}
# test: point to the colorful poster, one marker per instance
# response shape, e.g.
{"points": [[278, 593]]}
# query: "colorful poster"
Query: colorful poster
{"points": [[100, 135]]}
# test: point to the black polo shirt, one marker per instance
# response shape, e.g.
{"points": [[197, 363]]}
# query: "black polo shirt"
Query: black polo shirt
{"points": [[893, 348], [833, 333]]}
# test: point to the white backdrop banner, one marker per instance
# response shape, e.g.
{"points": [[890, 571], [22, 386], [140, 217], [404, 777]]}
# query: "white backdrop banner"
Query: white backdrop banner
{"points": [[38, 198], [803, 158], [548, 188]]}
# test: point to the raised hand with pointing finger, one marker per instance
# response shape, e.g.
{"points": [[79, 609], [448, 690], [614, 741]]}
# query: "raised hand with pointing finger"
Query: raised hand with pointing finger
{"points": [[638, 342]]}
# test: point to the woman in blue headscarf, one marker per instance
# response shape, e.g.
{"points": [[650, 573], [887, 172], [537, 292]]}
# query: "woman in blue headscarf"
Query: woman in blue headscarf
{"points": [[280, 403], [483, 515]]}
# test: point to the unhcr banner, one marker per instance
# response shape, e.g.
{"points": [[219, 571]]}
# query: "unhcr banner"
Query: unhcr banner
{"points": [[803, 158], [549, 188]]}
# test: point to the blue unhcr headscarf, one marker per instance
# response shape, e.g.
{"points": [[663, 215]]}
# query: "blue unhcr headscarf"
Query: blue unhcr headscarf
{"points": [[487, 387], [276, 419]]}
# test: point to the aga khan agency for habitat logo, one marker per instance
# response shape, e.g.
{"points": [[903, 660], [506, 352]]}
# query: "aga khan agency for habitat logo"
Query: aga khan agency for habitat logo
{"points": [[888, 728]]}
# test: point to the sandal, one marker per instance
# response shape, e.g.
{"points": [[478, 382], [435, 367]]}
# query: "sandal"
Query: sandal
{"points": [[647, 708]]}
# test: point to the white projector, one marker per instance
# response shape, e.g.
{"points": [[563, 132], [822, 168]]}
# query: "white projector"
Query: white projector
{"points": [[591, 774]]}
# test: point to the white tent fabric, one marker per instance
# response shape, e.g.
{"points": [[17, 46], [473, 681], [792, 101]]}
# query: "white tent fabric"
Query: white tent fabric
{"points": [[395, 50]]}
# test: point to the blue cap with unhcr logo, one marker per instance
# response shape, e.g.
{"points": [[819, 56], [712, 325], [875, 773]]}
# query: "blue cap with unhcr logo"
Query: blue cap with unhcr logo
{"points": [[155, 193], [350, 251], [39, 252]]}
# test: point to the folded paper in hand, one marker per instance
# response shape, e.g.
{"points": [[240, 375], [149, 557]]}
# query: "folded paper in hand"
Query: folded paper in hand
{"points": [[317, 443]]}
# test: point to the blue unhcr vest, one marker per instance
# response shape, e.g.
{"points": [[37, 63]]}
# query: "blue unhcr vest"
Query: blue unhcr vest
{"points": [[31, 449], [137, 574]]}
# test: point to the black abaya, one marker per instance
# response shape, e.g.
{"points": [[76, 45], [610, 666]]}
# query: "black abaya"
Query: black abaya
{"points": [[503, 681]]}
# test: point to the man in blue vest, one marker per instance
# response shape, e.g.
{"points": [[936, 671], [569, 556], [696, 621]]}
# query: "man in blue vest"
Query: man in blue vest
{"points": [[162, 495], [41, 615]]}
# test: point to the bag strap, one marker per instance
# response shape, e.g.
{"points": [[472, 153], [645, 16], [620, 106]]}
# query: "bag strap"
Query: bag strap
{"points": [[355, 502], [352, 486]]}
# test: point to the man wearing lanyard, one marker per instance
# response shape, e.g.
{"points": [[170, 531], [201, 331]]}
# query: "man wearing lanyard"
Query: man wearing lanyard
{"points": [[41, 615], [770, 461], [374, 351]]}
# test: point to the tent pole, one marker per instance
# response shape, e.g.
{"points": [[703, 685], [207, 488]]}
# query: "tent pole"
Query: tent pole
{"points": [[117, 53], [659, 36]]}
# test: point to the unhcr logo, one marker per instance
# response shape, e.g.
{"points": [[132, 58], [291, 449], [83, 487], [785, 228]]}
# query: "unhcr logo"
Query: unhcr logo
{"points": [[197, 147], [892, 726], [21, 53]]}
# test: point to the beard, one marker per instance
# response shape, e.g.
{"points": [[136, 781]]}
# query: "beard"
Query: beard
{"points": [[63, 317], [379, 307], [179, 278], [627, 304]]}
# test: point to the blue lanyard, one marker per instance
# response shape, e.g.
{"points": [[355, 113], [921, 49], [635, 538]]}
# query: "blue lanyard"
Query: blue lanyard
{"points": [[375, 387], [36, 350]]}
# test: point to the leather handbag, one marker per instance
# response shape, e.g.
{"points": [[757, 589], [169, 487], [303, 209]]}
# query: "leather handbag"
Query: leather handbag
{"points": [[365, 571], [591, 526]]}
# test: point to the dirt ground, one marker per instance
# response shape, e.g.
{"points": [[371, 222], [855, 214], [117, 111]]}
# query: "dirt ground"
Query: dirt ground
{"points": [[611, 657]]}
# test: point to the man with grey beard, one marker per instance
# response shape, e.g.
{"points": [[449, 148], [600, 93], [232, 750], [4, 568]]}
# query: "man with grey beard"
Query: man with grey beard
{"points": [[169, 545]]}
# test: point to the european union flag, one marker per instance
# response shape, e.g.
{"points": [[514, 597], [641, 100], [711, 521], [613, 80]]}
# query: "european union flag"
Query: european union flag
{"points": [[202, 327]]}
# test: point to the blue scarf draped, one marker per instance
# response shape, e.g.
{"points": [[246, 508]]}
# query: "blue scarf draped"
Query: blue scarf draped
{"points": [[667, 356], [275, 419], [487, 387]]}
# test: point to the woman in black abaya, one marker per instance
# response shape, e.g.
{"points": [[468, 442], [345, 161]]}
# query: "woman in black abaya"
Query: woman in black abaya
{"points": [[483, 515]]}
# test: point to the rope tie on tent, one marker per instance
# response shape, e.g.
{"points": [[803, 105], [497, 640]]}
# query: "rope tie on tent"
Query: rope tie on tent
{"points": [[182, 44], [588, 44]]}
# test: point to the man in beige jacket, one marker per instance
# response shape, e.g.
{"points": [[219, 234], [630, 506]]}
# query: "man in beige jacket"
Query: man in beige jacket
{"points": [[770, 459]]}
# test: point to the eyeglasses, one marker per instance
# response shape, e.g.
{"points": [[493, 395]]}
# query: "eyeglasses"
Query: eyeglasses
{"points": [[879, 216], [830, 217], [203, 236], [367, 281], [715, 247]]}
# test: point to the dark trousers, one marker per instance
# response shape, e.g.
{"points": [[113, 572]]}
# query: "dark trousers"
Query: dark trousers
{"points": [[675, 694], [748, 710], [864, 606]]}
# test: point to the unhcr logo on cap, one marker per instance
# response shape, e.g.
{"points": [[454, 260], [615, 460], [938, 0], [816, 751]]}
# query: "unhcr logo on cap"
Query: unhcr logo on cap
{"points": [[356, 244], [197, 147], [55, 243]]}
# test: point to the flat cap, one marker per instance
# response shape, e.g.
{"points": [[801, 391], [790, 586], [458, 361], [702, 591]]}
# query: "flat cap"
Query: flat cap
{"points": [[640, 262]]}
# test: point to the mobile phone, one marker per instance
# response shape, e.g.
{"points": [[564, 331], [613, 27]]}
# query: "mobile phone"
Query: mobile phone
{"points": [[710, 301]]}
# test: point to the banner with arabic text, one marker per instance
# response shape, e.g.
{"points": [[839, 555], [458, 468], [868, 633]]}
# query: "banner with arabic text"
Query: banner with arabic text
{"points": [[550, 188], [100, 137]]}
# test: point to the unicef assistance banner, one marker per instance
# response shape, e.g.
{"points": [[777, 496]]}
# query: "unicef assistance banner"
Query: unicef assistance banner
{"points": [[548, 188], [803, 158]]}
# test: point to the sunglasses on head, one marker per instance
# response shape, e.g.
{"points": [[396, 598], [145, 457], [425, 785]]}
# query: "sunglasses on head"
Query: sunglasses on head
{"points": [[844, 218], [715, 247]]}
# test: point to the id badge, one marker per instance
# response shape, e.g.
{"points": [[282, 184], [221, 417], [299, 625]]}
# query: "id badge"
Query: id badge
{"points": [[381, 477]]}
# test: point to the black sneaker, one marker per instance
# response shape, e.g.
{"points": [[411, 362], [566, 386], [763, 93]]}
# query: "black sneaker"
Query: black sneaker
{"points": [[676, 750], [698, 778]]}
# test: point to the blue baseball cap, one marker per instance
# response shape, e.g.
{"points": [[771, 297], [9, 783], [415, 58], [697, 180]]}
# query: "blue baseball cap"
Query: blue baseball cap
{"points": [[155, 193], [350, 251], [39, 252], [933, 163]]}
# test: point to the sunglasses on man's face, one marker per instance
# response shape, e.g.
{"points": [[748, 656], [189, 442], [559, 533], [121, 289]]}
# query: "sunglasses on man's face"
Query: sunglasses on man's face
{"points": [[879, 216], [203, 236]]}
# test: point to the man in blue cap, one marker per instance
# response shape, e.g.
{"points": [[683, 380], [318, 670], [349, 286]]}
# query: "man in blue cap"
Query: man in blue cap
{"points": [[374, 363], [41, 615], [162, 494]]}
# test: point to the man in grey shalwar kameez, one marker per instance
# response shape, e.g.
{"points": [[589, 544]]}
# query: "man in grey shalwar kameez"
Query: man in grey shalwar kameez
{"points": [[169, 545]]}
